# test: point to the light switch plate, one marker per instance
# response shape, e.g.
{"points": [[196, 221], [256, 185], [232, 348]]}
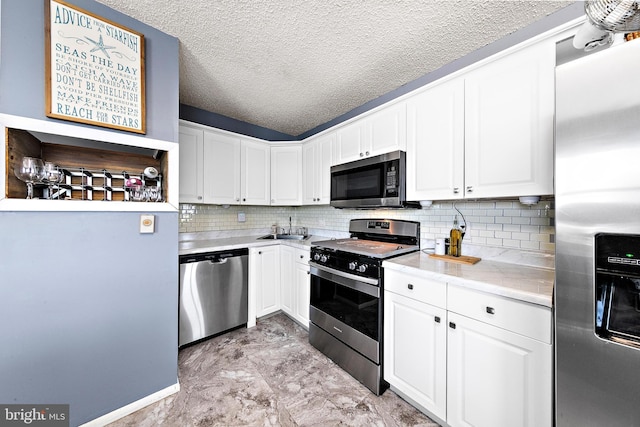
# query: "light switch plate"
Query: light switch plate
{"points": [[242, 217], [147, 223]]}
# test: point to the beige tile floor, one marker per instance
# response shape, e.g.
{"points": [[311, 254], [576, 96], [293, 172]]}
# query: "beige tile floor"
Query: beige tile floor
{"points": [[270, 376]]}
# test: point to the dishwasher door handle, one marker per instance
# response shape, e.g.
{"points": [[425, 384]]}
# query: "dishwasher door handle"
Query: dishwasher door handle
{"points": [[219, 261]]}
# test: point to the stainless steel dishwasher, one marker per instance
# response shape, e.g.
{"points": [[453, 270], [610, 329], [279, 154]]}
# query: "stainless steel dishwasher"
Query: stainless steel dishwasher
{"points": [[213, 294]]}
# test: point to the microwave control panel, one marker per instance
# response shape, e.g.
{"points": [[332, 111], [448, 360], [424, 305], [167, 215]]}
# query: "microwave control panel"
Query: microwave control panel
{"points": [[392, 180]]}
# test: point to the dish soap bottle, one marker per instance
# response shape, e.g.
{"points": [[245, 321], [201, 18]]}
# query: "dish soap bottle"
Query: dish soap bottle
{"points": [[455, 239]]}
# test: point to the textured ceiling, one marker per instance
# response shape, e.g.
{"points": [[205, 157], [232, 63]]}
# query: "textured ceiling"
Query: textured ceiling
{"points": [[291, 65]]}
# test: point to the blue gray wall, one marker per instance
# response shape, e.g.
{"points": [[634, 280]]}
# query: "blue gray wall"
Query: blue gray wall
{"points": [[22, 65], [88, 311]]}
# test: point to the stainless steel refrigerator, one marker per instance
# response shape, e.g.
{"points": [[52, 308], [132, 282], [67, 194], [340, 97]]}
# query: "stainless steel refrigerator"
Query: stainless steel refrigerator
{"points": [[597, 300]]}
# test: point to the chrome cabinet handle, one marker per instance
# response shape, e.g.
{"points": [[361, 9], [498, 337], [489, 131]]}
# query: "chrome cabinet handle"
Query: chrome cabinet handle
{"points": [[452, 325], [437, 319], [199, 197], [301, 256], [361, 154], [244, 199], [410, 286], [469, 189], [491, 310], [238, 199], [456, 190]]}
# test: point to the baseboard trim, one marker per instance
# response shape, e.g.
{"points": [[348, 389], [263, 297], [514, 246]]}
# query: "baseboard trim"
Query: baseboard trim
{"points": [[133, 407]]}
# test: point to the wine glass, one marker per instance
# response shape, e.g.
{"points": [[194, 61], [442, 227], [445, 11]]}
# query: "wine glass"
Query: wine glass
{"points": [[52, 176], [30, 170]]}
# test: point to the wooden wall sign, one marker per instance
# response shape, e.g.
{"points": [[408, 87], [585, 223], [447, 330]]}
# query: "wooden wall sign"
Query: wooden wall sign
{"points": [[94, 69]]}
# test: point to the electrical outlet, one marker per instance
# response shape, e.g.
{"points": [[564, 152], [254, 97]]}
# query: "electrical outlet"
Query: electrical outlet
{"points": [[147, 223], [242, 217]]}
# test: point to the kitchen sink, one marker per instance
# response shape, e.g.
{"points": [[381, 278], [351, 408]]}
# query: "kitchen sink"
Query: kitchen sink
{"points": [[284, 237]]}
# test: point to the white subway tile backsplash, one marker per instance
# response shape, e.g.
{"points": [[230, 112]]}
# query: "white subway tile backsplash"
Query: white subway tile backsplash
{"points": [[502, 223]]}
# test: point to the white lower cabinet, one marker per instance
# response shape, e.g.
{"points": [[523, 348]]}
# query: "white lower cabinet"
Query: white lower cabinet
{"points": [[295, 283], [415, 351], [264, 279], [467, 358], [303, 287], [496, 377]]}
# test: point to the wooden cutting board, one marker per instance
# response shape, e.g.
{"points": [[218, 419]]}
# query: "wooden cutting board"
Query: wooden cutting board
{"points": [[469, 260]]}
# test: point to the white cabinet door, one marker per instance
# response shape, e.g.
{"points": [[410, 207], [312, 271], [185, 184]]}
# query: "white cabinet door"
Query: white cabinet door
{"points": [[323, 160], [286, 175], [309, 173], [255, 171], [221, 169], [295, 283], [287, 279], [388, 130], [191, 164], [317, 158], [264, 267], [435, 143], [496, 377], [415, 351], [377, 133], [350, 140], [302, 283], [509, 121]]}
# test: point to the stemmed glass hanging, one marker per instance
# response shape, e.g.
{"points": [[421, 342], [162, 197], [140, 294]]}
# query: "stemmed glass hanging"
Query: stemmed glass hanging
{"points": [[30, 170]]}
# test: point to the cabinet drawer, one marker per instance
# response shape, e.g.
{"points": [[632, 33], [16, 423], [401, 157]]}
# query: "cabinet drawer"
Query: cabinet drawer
{"points": [[416, 287], [530, 320], [302, 255]]}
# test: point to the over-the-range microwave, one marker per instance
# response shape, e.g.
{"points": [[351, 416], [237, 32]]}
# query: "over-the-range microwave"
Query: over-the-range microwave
{"points": [[373, 182]]}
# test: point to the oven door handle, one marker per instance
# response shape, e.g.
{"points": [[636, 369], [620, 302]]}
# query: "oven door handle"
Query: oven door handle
{"points": [[362, 284]]}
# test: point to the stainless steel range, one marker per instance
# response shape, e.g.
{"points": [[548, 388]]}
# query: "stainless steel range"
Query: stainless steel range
{"points": [[346, 294]]}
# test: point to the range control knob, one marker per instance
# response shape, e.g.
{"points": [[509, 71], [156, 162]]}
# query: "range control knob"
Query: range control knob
{"points": [[362, 268], [353, 265], [323, 258], [316, 257]]}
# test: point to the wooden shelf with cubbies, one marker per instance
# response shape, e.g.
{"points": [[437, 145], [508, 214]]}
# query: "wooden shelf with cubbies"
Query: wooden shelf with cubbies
{"points": [[95, 171]]}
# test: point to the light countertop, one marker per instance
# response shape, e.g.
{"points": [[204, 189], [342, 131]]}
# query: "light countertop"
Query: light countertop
{"points": [[513, 280], [529, 284], [187, 247]]}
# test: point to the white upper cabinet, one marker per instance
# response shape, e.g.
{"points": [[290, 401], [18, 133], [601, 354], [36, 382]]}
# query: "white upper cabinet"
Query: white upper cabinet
{"points": [[377, 133], [221, 169], [191, 163], [487, 133], [317, 158], [509, 120], [255, 173], [435, 143], [286, 175]]}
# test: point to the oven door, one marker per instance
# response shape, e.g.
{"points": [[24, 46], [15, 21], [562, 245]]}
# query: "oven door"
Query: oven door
{"points": [[348, 307]]}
